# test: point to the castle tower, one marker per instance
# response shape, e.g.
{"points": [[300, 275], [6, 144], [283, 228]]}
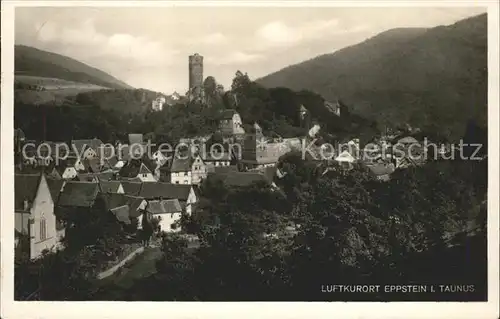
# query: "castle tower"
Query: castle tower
{"points": [[195, 71]]}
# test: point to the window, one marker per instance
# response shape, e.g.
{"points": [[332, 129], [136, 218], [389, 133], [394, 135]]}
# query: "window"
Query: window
{"points": [[144, 175], [43, 229], [185, 181], [185, 173], [177, 182]]}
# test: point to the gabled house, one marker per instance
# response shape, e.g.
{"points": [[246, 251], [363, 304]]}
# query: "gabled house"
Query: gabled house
{"points": [[137, 170], [111, 187], [158, 191], [34, 213], [260, 151], [71, 167], [78, 194], [346, 160], [137, 205], [131, 188], [88, 177], [167, 211], [92, 165], [189, 171], [408, 151], [230, 122], [86, 149], [121, 213]]}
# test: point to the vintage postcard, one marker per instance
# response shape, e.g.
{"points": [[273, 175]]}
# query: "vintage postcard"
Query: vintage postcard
{"points": [[246, 157]]}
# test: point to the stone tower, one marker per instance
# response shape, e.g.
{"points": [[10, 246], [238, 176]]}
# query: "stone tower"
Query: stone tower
{"points": [[195, 71]]}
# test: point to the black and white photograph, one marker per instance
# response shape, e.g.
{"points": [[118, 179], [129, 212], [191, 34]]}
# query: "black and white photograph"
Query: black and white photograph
{"points": [[250, 153]]}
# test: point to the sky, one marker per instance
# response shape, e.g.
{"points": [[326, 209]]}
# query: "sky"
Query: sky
{"points": [[149, 47]]}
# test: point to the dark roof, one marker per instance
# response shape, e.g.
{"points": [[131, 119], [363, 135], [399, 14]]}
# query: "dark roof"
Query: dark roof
{"points": [[110, 162], [25, 188], [79, 194], [131, 188], [134, 202], [55, 186], [216, 156], [113, 200], [181, 165], [54, 173], [109, 186], [105, 176], [92, 165], [122, 213], [227, 114], [135, 139], [169, 206], [154, 190], [225, 169], [133, 169], [87, 177], [95, 144], [381, 169], [241, 179]]}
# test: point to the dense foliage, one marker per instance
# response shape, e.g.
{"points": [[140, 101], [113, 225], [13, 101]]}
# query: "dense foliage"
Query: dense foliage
{"points": [[112, 114], [435, 79], [425, 226]]}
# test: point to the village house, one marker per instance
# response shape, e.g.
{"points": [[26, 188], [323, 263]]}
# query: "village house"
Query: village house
{"points": [[159, 191], [259, 151], [244, 179], [88, 177], [131, 188], [190, 170], [230, 122], [78, 194], [34, 213], [137, 205], [334, 107], [408, 151], [222, 169], [111, 187], [134, 171], [346, 160], [381, 171], [168, 212], [86, 149], [216, 158], [157, 104], [71, 167]]}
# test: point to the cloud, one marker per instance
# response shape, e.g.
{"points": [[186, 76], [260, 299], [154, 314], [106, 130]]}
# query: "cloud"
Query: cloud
{"points": [[214, 38], [87, 42], [235, 57], [278, 34]]}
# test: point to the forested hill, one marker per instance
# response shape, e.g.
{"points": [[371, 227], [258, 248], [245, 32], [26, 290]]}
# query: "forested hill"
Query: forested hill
{"points": [[30, 61], [433, 78]]}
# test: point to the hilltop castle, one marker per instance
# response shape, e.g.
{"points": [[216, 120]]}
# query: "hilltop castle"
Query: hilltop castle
{"points": [[195, 77]]}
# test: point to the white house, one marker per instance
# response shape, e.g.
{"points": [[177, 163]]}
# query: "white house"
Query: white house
{"points": [[189, 171], [158, 191], [34, 213], [168, 212]]}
